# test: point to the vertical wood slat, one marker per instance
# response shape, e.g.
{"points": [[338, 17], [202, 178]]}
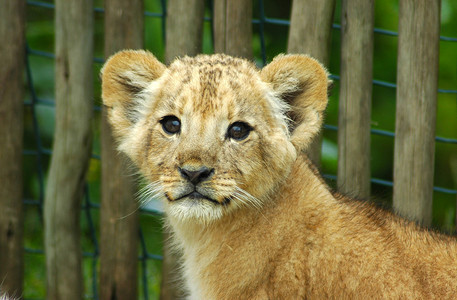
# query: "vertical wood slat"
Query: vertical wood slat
{"points": [[119, 209], [71, 150], [12, 33], [172, 281], [417, 84], [310, 33], [355, 97], [184, 28], [233, 27], [184, 32]]}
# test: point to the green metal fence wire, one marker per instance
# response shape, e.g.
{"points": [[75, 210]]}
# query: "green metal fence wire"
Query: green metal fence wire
{"points": [[40, 154]]}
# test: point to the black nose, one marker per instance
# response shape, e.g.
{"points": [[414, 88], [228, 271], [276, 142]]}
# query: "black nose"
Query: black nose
{"points": [[196, 176]]}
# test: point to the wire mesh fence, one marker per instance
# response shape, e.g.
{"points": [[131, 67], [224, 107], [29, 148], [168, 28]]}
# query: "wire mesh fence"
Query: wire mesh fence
{"points": [[39, 127]]}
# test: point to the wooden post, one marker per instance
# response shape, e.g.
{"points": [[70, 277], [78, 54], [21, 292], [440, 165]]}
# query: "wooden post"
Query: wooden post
{"points": [[72, 148], [417, 84], [309, 33], [355, 97], [172, 280], [119, 209], [12, 33], [184, 37], [233, 27], [184, 28]]}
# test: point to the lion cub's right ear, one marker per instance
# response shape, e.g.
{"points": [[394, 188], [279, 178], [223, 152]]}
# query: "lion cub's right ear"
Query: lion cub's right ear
{"points": [[124, 76]]}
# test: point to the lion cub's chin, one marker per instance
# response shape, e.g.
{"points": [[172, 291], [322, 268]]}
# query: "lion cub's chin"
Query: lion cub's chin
{"points": [[195, 210], [200, 211]]}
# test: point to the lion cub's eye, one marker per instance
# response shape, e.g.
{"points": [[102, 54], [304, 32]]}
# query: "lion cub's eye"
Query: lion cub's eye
{"points": [[171, 124], [239, 131]]}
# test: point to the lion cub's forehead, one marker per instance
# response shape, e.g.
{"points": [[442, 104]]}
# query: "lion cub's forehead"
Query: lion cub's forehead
{"points": [[211, 82], [213, 63]]}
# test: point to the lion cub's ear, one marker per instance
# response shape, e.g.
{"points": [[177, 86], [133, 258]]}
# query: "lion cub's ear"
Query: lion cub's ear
{"points": [[124, 76], [302, 82]]}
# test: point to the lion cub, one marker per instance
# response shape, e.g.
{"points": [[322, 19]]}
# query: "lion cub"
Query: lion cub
{"points": [[221, 143]]}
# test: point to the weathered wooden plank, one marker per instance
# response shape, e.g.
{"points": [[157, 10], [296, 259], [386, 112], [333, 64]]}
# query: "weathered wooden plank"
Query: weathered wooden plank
{"points": [[71, 150], [172, 286], [12, 33], [184, 28], [417, 83], [233, 27], [310, 33], [119, 209], [355, 97], [184, 34]]}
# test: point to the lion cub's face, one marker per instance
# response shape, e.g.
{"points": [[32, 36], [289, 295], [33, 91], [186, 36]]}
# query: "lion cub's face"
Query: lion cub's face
{"points": [[211, 133]]}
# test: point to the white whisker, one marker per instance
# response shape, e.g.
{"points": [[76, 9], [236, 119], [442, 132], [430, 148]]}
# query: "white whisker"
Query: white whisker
{"points": [[149, 192], [144, 195], [247, 198]]}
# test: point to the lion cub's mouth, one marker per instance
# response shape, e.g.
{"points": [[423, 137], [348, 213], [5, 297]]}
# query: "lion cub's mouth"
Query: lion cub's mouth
{"points": [[196, 196]]}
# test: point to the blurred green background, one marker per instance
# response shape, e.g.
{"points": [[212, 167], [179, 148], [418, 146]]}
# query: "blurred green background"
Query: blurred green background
{"points": [[39, 126]]}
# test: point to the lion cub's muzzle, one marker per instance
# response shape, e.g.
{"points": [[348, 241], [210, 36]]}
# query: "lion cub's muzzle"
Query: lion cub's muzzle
{"points": [[196, 179]]}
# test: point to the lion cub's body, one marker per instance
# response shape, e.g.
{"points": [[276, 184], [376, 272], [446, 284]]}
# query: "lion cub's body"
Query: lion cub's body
{"points": [[309, 244], [220, 143]]}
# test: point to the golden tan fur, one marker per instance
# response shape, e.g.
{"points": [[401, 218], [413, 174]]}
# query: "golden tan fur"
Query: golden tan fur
{"points": [[261, 224]]}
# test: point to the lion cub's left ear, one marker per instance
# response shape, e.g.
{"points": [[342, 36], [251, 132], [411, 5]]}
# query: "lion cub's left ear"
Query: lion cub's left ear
{"points": [[303, 83], [124, 76]]}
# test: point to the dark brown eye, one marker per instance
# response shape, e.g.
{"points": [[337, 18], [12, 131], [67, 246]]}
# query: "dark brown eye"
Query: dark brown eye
{"points": [[171, 124], [239, 131]]}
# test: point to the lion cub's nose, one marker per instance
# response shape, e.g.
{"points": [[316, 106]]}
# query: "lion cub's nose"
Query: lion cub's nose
{"points": [[196, 176]]}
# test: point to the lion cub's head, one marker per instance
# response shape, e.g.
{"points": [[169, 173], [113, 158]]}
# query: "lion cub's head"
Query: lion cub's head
{"points": [[213, 134]]}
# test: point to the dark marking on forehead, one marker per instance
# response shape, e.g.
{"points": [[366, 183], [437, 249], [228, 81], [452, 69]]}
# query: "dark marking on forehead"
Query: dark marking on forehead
{"points": [[231, 72], [234, 84], [210, 78], [187, 77]]}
